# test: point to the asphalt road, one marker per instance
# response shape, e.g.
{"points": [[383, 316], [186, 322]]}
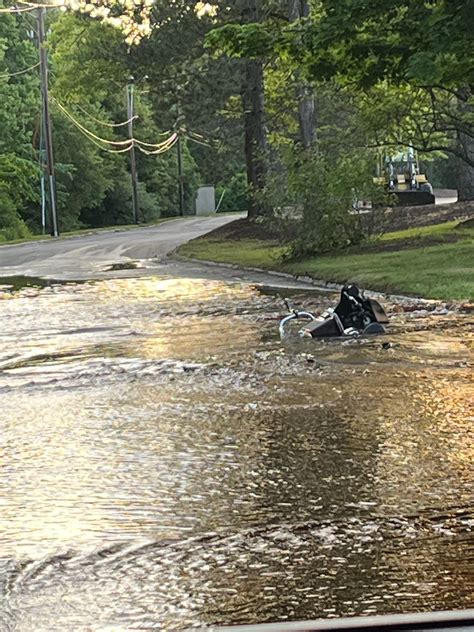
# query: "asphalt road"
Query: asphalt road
{"points": [[92, 256]]}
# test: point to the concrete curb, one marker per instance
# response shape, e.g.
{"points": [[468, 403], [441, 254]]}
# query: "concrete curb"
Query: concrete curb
{"points": [[316, 283]]}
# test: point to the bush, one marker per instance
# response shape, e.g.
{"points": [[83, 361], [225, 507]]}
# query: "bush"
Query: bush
{"points": [[11, 225], [16, 193], [235, 194], [315, 202]]}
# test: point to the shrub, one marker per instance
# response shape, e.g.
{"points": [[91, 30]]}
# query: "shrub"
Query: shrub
{"points": [[315, 200]]}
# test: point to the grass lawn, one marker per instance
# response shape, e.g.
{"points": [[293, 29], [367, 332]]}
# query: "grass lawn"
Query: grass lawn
{"points": [[440, 270]]}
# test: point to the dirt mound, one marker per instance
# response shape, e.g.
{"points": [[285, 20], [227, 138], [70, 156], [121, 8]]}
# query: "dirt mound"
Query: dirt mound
{"points": [[400, 217], [242, 229]]}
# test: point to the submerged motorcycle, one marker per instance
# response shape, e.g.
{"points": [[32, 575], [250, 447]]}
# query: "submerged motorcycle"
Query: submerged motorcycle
{"points": [[353, 315]]}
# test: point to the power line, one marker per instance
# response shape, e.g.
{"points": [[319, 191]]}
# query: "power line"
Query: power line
{"points": [[117, 143], [16, 10], [171, 142], [105, 124], [31, 6], [156, 145], [19, 72], [198, 142], [43, 5], [120, 147]]}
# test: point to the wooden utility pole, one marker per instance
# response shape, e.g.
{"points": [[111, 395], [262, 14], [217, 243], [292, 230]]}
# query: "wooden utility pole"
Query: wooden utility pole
{"points": [[180, 174], [133, 162], [298, 9], [48, 137], [179, 150]]}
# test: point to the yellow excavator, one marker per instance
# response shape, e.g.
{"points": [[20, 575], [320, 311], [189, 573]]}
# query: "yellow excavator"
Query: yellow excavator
{"points": [[400, 174]]}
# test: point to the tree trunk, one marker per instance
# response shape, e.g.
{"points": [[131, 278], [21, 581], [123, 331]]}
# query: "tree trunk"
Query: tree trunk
{"points": [[465, 146], [465, 173], [255, 132], [253, 98], [298, 9]]}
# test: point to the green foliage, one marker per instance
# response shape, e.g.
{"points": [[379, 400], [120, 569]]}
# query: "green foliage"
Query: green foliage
{"points": [[250, 40], [423, 42], [314, 202], [408, 66], [17, 192], [186, 82], [11, 225], [19, 105], [235, 194], [176, 86], [442, 172], [19, 94], [97, 182], [83, 174]]}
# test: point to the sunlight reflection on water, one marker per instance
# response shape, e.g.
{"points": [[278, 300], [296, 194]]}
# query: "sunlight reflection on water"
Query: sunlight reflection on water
{"points": [[138, 415]]}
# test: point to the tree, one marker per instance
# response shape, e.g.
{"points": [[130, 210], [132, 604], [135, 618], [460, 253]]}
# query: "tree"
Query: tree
{"points": [[427, 47], [95, 96], [423, 47], [19, 110], [190, 88]]}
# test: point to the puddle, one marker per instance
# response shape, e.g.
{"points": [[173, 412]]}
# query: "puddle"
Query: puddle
{"points": [[125, 265], [16, 283], [168, 461]]}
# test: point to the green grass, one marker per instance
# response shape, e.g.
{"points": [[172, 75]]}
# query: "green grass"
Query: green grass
{"points": [[442, 271], [420, 232], [245, 252]]}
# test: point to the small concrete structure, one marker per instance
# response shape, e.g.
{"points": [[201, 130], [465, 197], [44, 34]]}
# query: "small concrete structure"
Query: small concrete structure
{"points": [[205, 201]]}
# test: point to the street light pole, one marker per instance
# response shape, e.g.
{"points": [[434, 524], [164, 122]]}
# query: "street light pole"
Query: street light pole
{"points": [[48, 138], [133, 163]]}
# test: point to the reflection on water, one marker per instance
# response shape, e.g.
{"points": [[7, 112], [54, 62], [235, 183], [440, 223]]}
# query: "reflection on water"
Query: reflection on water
{"points": [[166, 460]]}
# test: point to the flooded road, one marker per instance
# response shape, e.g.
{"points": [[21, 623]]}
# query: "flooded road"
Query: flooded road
{"points": [[168, 462]]}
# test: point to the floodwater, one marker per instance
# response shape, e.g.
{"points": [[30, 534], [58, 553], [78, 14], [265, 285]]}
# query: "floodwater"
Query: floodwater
{"points": [[168, 462]]}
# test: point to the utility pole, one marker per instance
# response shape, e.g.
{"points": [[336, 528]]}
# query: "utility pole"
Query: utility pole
{"points": [[180, 175], [133, 162], [48, 138], [179, 150]]}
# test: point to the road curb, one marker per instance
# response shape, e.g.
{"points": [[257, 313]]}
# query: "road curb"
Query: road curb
{"points": [[329, 286]]}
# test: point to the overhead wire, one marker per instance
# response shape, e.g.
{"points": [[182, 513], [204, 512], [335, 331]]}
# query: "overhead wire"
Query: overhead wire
{"points": [[19, 72], [117, 143], [170, 143], [118, 146], [16, 10], [106, 124], [29, 6], [96, 120], [105, 140], [156, 145], [199, 142], [110, 151], [96, 140], [42, 5]]}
